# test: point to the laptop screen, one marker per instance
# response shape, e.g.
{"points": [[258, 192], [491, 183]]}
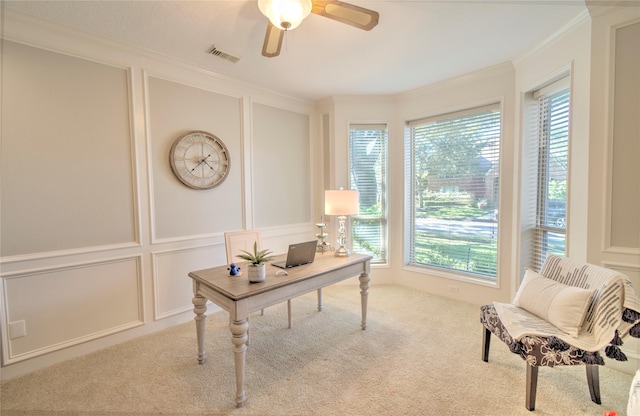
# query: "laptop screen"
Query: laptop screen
{"points": [[298, 254]]}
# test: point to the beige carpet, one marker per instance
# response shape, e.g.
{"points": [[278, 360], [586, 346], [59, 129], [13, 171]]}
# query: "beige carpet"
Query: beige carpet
{"points": [[420, 355]]}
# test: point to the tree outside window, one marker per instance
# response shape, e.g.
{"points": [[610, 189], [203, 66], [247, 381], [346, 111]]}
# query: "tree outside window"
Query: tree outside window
{"points": [[368, 174], [455, 167]]}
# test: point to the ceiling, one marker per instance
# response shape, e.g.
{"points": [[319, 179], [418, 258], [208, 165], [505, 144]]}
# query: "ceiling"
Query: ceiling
{"points": [[416, 43]]}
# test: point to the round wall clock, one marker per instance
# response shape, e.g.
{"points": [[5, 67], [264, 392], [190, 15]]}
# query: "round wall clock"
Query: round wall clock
{"points": [[200, 160]]}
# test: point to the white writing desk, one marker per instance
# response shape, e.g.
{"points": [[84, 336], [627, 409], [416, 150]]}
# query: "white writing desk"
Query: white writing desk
{"points": [[237, 296]]}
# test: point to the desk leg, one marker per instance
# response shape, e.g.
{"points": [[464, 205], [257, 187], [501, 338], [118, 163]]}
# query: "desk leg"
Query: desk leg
{"points": [[364, 296], [199, 308], [320, 300], [239, 331]]}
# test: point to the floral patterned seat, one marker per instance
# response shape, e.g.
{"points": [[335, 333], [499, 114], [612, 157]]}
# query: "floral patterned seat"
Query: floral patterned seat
{"points": [[550, 350]]}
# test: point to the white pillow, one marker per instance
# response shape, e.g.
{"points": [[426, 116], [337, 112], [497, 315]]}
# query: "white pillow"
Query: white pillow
{"points": [[561, 305]]}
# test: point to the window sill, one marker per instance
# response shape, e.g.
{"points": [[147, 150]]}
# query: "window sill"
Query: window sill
{"points": [[452, 275]]}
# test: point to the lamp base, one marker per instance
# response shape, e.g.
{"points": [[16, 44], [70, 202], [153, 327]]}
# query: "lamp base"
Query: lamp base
{"points": [[342, 238], [342, 252]]}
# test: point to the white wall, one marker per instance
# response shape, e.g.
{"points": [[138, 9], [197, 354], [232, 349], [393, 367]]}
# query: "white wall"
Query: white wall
{"points": [[569, 52], [98, 235], [614, 192]]}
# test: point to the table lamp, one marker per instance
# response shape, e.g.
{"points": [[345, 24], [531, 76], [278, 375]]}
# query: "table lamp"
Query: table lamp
{"points": [[341, 203]]}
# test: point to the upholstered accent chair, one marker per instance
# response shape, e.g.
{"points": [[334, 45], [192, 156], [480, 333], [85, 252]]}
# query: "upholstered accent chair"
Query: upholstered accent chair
{"points": [[565, 315]]}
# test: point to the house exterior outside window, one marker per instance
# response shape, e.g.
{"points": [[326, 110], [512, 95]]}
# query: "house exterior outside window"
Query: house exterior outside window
{"points": [[453, 192], [368, 174]]}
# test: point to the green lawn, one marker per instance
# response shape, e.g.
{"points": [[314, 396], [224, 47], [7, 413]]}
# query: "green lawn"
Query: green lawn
{"points": [[475, 254], [453, 212]]}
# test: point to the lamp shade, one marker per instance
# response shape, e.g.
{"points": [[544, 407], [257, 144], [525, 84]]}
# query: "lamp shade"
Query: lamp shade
{"points": [[341, 202], [285, 14]]}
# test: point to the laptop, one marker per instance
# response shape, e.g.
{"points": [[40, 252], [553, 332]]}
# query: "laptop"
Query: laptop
{"points": [[298, 254]]}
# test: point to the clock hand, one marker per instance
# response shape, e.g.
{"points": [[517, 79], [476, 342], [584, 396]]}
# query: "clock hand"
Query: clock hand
{"points": [[206, 163], [201, 162]]}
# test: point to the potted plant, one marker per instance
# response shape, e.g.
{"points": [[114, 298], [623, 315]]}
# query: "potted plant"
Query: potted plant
{"points": [[257, 268]]}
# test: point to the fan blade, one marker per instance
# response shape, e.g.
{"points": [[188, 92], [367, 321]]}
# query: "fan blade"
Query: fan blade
{"points": [[272, 41], [350, 14]]}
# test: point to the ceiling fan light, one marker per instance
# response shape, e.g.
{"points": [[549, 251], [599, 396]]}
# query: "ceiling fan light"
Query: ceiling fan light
{"points": [[285, 14]]}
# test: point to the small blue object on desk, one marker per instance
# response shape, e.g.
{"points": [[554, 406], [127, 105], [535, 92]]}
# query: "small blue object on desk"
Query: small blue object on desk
{"points": [[233, 270]]}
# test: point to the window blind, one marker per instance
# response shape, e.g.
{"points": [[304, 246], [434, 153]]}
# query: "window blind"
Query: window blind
{"points": [[368, 174], [455, 162], [552, 143]]}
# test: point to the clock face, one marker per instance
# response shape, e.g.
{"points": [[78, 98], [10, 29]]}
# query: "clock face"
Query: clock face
{"points": [[200, 160]]}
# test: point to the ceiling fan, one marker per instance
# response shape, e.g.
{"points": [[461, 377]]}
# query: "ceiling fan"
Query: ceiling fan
{"points": [[286, 15]]}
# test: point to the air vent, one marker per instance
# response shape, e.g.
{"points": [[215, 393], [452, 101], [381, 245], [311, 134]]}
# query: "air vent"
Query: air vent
{"points": [[215, 51]]}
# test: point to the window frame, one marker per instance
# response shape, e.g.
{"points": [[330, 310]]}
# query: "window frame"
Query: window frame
{"points": [[382, 192], [535, 246], [411, 189]]}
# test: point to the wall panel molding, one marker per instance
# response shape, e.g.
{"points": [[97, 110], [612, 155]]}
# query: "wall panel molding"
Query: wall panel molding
{"points": [[24, 258], [94, 299], [172, 286], [624, 268], [622, 250], [281, 149], [622, 179], [74, 169], [179, 213]]}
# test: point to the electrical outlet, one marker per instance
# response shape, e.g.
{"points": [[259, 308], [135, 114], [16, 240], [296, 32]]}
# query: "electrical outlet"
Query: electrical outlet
{"points": [[17, 329], [454, 289]]}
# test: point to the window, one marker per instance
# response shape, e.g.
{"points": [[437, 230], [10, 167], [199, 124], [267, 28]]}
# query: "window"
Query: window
{"points": [[549, 155], [455, 166], [368, 167]]}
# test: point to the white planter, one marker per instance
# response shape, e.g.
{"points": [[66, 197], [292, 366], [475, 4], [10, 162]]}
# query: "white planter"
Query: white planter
{"points": [[257, 273]]}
